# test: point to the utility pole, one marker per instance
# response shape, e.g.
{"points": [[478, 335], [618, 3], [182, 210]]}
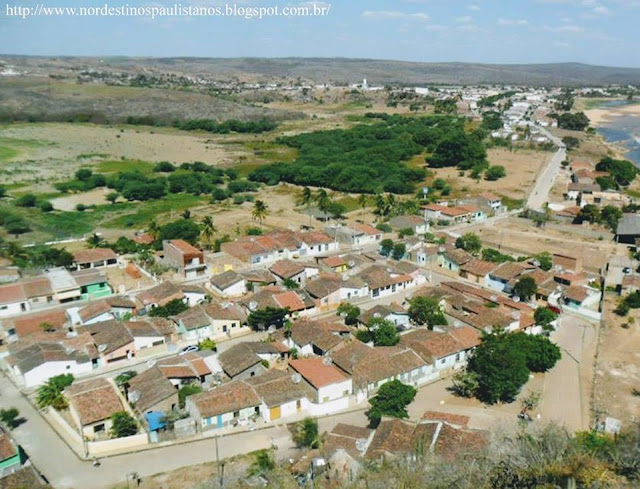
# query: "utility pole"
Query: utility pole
{"points": [[219, 466]]}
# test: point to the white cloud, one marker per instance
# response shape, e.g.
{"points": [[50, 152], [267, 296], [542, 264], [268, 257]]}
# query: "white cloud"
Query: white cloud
{"points": [[464, 19], [394, 15], [473, 8], [512, 22]]}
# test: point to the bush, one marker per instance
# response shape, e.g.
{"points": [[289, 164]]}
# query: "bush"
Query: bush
{"points": [[495, 173], [186, 391], [26, 200], [46, 206], [392, 399], [123, 425]]}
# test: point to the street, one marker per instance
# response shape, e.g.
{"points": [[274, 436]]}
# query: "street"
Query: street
{"points": [[540, 192]]}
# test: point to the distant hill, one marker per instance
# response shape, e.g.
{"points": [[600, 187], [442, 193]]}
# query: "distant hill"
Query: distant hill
{"points": [[345, 70]]}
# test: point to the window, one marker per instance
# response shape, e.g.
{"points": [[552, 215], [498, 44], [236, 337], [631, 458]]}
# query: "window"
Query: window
{"points": [[99, 428], [236, 414], [442, 361], [457, 357], [325, 399], [345, 393]]}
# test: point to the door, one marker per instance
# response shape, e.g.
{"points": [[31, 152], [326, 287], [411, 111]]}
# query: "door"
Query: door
{"points": [[274, 413], [219, 420]]}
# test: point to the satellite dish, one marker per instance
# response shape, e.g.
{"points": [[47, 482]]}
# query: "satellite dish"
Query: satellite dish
{"points": [[296, 378], [361, 445], [134, 396], [327, 361], [102, 348], [376, 315], [516, 298], [351, 263], [253, 305]]}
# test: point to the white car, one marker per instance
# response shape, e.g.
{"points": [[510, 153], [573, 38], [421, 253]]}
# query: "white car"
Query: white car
{"points": [[189, 349]]}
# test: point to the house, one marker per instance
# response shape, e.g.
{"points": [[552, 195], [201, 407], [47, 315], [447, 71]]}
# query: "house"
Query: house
{"points": [[315, 243], [577, 296], [491, 200], [358, 234], [330, 387], [258, 278], [246, 360], [185, 258], [92, 403], [121, 307], [295, 271], [416, 224], [382, 281], [502, 277], [454, 214], [328, 291], [94, 258], [313, 337], [13, 300], [150, 390], [229, 284], [337, 264], [93, 313], [113, 340], [227, 320], [454, 258], [444, 350], [566, 263], [9, 274], [64, 286], [370, 367], [578, 191], [281, 395], [12, 457], [392, 312], [37, 322], [38, 291], [231, 404], [630, 284], [93, 284], [150, 332], [159, 295], [423, 254], [477, 271], [36, 360], [628, 229]]}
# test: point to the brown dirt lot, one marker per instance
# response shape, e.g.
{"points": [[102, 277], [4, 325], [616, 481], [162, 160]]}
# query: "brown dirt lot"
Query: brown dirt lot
{"points": [[618, 369], [522, 167]]}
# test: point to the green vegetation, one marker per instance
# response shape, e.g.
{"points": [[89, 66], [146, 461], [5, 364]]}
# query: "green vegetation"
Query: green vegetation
{"points": [[525, 288], [184, 229], [209, 125], [469, 242], [171, 308], [186, 391], [426, 310], [572, 121], [493, 255], [207, 344], [381, 331], [10, 417], [306, 434], [496, 172], [623, 172], [262, 319], [607, 216], [123, 425], [392, 399], [50, 393], [349, 312], [544, 317], [372, 157]]}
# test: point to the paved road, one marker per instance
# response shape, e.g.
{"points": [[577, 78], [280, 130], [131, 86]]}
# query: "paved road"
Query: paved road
{"points": [[565, 397], [540, 192]]}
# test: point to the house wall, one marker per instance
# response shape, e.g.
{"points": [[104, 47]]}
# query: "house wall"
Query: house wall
{"points": [[102, 317], [44, 372], [14, 309], [226, 419], [95, 291], [125, 352], [235, 290], [495, 284], [286, 410], [330, 407], [257, 369], [194, 298], [144, 342], [334, 391]]}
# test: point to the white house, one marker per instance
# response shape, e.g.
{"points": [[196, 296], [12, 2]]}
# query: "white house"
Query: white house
{"points": [[330, 386], [13, 300], [281, 393], [229, 284], [232, 404]]}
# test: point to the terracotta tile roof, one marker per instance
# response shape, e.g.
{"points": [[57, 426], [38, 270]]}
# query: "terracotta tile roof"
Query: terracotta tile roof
{"points": [[193, 318], [258, 276], [225, 280], [479, 268], [227, 398], [323, 286], [112, 334], [576, 293], [287, 268], [318, 333], [453, 419], [457, 255], [508, 270], [31, 323], [37, 287], [490, 196], [276, 388], [121, 302], [218, 311], [143, 239], [452, 442], [290, 300], [239, 358], [184, 247], [432, 345], [312, 238], [94, 309], [160, 294], [88, 277], [366, 229], [406, 221], [151, 387], [94, 400], [397, 437], [11, 293], [94, 255], [317, 373], [7, 449], [333, 261]]}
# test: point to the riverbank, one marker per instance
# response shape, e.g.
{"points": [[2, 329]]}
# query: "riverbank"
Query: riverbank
{"points": [[618, 124], [601, 116]]}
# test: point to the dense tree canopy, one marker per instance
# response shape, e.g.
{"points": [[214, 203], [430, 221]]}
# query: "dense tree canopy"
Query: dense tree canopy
{"points": [[469, 242], [426, 310], [392, 399], [623, 172]]}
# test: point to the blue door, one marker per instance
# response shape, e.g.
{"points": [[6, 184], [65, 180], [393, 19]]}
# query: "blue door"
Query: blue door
{"points": [[219, 420]]}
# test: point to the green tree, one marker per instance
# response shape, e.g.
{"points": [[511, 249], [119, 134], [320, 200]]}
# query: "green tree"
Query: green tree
{"points": [[83, 174], [122, 380], [208, 231], [399, 250], [123, 424], [46, 206], [307, 433], [525, 288], [384, 332], [469, 242], [544, 317], [426, 310], [545, 260], [622, 171], [263, 463], [323, 201], [26, 200], [306, 199], [207, 344], [260, 211], [350, 312], [386, 247], [362, 202], [95, 241], [184, 229], [609, 216], [186, 391], [290, 284], [50, 393], [112, 197], [589, 213], [171, 308], [392, 399], [262, 319], [496, 172], [10, 417]]}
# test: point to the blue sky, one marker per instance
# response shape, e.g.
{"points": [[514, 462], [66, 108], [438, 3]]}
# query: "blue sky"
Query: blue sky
{"points": [[492, 31]]}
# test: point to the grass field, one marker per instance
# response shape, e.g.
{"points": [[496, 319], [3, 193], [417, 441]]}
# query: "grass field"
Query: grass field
{"points": [[145, 212], [116, 166]]}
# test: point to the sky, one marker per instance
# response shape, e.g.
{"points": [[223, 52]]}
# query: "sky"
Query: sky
{"points": [[601, 32]]}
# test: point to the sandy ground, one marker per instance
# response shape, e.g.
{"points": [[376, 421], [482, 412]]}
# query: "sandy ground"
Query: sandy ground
{"points": [[69, 202], [618, 369], [522, 167], [602, 116]]}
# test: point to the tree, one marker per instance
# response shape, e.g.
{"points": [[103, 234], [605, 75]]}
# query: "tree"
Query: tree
{"points": [[269, 316], [307, 434], [386, 247], [186, 391], [208, 231], [609, 216], [384, 332], [501, 370], [306, 199], [362, 202], [622, 171], [469, 242], [350, 312], [290, 284], [571, 142], [494, 173], [83, 174], [589, 213], [399, 250], [541, 354], [10, 417], [95, 241], [545, 260], [323, 202], [123, 425], [544, 317], [26, 200], [207, 344], [263, 463], [112, 197], [46, 206], [184, 229], [122, 380], [260, 211], [50, 393], [171, 308], [426, 310], [185, 214], [392, 399], [525, 288], [153, 230]]}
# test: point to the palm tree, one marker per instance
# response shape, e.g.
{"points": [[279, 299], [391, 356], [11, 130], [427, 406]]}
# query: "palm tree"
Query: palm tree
{"points": [[260, 211], [208, 230], [306, 198], [324, 202], [186, 214], [391, 203], [381, 204], [362, 200], [15, 252], [95, 241], [153, 230]]}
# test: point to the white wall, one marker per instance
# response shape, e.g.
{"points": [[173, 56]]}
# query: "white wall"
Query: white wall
{"points": [[334, 391], [142, 342], [14, 309], [44, 372]]}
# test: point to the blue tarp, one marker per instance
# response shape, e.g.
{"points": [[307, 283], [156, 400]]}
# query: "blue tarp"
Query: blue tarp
{"points": [[155, 420]]}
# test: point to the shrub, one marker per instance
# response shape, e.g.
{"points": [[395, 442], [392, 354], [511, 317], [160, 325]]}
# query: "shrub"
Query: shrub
{"points": [[26, 200]]}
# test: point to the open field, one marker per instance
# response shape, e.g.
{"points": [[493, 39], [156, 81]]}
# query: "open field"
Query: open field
{"points": [[618, 369]]}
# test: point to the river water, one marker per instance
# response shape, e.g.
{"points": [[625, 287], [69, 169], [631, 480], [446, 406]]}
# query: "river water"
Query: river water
{"points": [[623, 130]]}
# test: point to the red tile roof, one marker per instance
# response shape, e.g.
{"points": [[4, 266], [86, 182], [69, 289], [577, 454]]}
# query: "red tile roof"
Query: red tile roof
{"points": [[317, 373], [94, 255]]}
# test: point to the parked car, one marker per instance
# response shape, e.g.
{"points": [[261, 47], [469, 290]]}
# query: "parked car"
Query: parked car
{"points": [[189, 349]]}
